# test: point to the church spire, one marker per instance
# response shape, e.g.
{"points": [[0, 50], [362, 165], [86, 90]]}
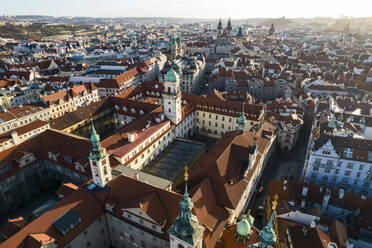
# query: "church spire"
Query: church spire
{"points": [[97, 152], [229, 27], [267, 234], [186, 227], [219, 26]]}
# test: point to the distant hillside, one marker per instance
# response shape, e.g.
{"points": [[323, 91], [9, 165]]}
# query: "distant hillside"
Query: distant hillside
{"points": [[38, 30]]}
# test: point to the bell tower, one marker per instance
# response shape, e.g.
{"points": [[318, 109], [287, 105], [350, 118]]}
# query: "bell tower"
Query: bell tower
{"points": [[99, 161], [172, 97]]}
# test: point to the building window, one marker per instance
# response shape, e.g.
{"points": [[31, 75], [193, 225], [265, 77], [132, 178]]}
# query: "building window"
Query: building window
{"points": [[350, 165], [347, 173], [361, 167], [330, 162], [315, 168], [358, 175], [348, 152], [337, 171], [339, 163], [317, 161]]}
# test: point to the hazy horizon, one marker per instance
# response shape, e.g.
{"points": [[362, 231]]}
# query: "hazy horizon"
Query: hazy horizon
{"points": [[203, 9]]}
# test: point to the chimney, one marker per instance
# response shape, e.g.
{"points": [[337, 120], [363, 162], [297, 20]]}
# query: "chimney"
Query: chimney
{"points": [[341, 193], [132, 137], [304, 191], [15, 137]]}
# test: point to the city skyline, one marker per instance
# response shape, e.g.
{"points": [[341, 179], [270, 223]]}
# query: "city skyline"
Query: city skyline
{"points": [[238, 9]]}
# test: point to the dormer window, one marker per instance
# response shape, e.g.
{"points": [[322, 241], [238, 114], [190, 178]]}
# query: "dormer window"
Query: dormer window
{"points": [[124, 109], [117, 107], [133, 111]]}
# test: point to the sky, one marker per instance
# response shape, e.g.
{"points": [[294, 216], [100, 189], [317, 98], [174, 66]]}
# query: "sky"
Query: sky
{"points": [[236, 9]]}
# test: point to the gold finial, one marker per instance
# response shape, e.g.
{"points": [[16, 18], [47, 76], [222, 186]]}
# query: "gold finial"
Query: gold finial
{"points": [[275, 202], [186, 174], [248, 211]]}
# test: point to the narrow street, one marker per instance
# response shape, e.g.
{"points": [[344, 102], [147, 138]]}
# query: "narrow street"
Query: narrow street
{"points": [[282, 165]]}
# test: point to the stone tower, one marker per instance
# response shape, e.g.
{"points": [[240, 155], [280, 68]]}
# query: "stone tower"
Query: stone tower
{"points": [[172, 97]]}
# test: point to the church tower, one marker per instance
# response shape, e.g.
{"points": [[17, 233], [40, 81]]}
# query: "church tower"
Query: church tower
{"points": [[99, 161], [186, 231], [229, 27], [172, 97], [219, 27]]}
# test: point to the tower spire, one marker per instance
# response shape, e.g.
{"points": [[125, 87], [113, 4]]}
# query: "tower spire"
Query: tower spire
{"points": [[267, 234], [97, 151], [186, 227], [219, 25], [229, 27]]}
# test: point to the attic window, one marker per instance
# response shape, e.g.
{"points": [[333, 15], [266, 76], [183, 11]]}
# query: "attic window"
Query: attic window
{"points": [[124, 109]]}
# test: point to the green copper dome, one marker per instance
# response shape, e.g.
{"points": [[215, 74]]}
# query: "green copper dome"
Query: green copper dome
{"points": [[242, 119], [267, 235], [243, 228], [170, 76]]}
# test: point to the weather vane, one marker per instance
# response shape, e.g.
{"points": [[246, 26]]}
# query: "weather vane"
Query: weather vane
{"points": [[186, 174]]}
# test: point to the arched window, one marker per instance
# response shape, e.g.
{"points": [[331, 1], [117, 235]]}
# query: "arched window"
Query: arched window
{"points": [[169, 90]]}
